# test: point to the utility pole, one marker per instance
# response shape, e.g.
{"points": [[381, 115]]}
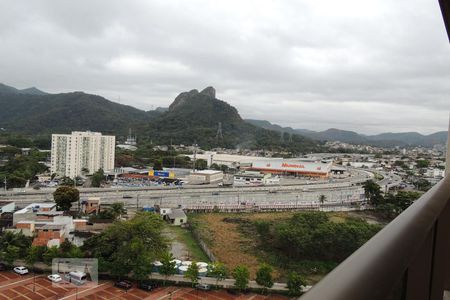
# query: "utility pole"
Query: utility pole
{"points": [[5, 184], [195, 156], [137, 203]]}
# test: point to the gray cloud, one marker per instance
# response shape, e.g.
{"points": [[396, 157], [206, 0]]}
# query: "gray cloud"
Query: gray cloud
{"points": [[369, 66]]}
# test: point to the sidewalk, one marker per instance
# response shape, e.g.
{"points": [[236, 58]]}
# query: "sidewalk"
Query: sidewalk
{"points": [[227, 283]]}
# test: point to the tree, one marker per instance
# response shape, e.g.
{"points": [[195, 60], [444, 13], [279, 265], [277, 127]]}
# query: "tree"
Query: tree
{"points": [[241, 276], [192, 273], [372, 192], [66, 181], [125, 246], [118, 209], [12, 253], [157, 164], [201, 164], [142, 265], [215, 166], [423, 184], [64, 197], [295, 283], [50, 254], [30, 259], [322, 198], [65, 246], [422, 163], [168, 265], [97, 178], [264, 276], [219, 271]]}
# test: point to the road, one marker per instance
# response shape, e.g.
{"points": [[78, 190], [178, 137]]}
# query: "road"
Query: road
{"points": [[306, 192], [390, 180]]}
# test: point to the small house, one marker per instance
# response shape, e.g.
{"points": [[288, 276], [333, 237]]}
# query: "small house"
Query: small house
{"points": [[176, 217]]}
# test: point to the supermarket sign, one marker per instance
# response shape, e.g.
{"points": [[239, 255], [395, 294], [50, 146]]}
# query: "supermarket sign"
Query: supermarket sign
{"points": [[162, 174]]}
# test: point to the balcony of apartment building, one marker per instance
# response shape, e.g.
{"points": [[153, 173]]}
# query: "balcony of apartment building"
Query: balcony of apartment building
{"points": [[409, 259]]}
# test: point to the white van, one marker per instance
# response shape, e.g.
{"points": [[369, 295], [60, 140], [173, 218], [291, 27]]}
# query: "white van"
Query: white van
{"points": [[76, 277]]}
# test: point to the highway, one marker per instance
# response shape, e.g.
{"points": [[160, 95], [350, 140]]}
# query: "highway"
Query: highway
{"points": [[305, 192]]}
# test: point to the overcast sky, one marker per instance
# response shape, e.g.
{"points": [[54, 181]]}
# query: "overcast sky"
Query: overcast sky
{"points": [[365, 65]]}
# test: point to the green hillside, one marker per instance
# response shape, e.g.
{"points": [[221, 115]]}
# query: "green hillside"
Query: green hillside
{"points": [[194, 117], [33, 114]]}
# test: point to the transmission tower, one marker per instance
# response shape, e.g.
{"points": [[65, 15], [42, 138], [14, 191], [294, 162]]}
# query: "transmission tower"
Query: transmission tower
{"points": [[195, 156], [282, 137], [219, 134], [290, 137]]}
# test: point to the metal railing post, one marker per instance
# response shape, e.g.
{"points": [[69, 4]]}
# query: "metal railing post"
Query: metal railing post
{"points": [[440, 264], [419, 272], [447, 156]]}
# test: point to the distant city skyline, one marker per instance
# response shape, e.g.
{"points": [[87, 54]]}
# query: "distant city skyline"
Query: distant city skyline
{"points": [[370, 67]]}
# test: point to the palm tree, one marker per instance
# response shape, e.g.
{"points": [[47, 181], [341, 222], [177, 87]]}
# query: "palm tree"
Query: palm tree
{"points": [[322, 198]]}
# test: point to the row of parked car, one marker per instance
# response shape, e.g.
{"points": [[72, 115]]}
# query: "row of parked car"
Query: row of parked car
{"points": [[21, 270], [80, 278], [151, 285]]}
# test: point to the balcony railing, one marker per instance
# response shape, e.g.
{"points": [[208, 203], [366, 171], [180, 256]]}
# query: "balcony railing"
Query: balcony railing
{"points": [[409, 259]]}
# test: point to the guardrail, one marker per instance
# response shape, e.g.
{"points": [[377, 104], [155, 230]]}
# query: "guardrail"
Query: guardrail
{"points": [[408, 258]]}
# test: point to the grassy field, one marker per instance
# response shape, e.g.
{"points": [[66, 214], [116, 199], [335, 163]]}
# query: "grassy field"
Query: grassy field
{"points": [[233, 240], [185, 237]]}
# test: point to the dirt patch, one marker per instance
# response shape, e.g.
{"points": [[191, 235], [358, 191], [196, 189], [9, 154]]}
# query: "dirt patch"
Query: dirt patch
{"points": [[228, 244]]}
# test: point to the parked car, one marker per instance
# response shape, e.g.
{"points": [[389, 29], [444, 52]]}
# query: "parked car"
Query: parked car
{"points": [[21, 270], [123, 284], [203, 286], [148, 285], [54, 278], [3, 267]]}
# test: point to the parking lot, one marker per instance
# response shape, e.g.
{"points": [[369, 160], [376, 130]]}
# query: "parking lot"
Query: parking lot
{"points": [[13, 286]]}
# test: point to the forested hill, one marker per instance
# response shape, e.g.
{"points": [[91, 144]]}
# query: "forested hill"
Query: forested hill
{"points": [[62, 113], [401, 139], [194, 117]]}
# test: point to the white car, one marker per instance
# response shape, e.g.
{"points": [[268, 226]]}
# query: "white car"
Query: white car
{"points": [[54, 278], [21, 270]]}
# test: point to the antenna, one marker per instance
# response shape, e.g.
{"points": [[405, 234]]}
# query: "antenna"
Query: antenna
{"points": [[219, 134]]}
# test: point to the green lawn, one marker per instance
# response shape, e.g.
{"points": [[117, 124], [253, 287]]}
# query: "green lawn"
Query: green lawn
{"points": [[185, 236]]}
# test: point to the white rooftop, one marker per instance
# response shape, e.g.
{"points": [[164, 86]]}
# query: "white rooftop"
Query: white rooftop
{"points": [[29, 208], [206, 172]]}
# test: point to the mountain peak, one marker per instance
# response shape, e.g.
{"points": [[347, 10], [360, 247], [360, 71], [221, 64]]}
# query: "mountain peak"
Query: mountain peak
{"points": [[6, 89], [209, 91], [182, 98], [33, 91]]}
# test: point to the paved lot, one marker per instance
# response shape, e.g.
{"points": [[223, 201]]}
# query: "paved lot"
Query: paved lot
{"points": [[17, 287]]}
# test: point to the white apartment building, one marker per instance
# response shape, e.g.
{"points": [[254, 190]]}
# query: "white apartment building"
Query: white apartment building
{"points": [[72, 153]]}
